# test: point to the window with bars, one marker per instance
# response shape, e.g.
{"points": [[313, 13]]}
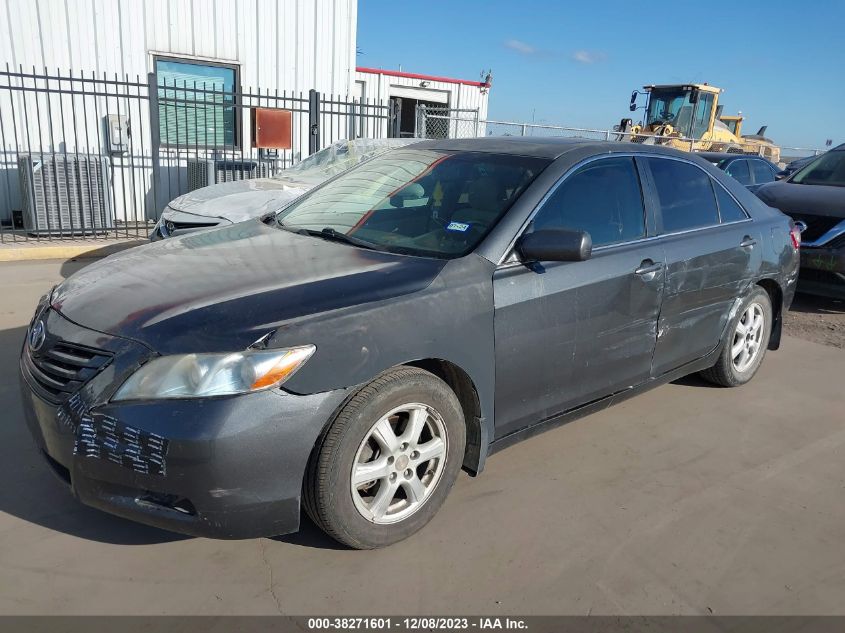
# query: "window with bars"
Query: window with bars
{"points": [[197, 103]]}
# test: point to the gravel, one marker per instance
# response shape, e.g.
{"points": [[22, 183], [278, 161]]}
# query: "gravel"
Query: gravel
{"points": [[817, 319]]}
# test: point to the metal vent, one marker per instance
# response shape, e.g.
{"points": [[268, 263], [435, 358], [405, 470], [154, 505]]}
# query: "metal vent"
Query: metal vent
{"points": [[205, 172], [65, 194]]}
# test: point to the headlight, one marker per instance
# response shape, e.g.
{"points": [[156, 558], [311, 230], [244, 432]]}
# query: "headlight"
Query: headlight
{"points": [[200, 375]]}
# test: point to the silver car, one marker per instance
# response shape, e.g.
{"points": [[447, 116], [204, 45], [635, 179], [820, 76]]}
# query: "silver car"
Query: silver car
{"points": [[231, 202]]}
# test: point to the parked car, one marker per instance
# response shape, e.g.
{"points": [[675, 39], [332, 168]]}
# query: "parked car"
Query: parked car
{"points": [[230, 202], [751, 171], [815, 195], [795, 165], [393, 325]]}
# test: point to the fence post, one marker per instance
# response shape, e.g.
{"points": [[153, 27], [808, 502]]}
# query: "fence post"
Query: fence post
{"points": [[420, 124], [313, 121], [155, 138]]}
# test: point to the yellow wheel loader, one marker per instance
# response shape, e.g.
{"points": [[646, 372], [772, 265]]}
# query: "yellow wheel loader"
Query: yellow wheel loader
{"points": [[689, 117]]}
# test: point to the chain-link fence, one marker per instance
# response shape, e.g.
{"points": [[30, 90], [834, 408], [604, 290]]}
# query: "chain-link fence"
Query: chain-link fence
{"points": [[445, 122]]}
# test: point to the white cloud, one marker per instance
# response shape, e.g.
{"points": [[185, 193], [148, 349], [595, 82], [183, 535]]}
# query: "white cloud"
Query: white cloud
{"points": [[520, 47], [588, 57]]}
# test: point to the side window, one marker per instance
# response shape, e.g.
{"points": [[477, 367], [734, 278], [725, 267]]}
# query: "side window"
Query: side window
{"points": [[602, 198], [729, 210], [762, 172], [685, 195], [739, 170], [703, 109]]}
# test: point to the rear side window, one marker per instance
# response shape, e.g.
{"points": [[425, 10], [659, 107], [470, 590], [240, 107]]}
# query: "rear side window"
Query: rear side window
{"points": [[685, 195], [762, 172], [729, 210], [739, 170], [602, 198]]}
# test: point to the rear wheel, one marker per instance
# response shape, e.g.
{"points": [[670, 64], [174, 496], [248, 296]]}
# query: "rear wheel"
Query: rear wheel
{"points": [[747, 342], [385, 465]]}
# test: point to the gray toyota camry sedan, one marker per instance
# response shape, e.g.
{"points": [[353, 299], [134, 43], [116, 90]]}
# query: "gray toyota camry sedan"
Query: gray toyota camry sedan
{"points": [[353, 351]]}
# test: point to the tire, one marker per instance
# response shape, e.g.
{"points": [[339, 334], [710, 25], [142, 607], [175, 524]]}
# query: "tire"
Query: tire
{"points": [[733, 369], [408, 485]]}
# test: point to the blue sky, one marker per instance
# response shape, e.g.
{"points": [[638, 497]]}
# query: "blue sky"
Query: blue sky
{"points": [[782, 63]]}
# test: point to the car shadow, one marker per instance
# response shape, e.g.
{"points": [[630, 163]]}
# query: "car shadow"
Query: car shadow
{"points": [[70, 266], [309, 535], [814, 304], [31, 492], [694, 380]]}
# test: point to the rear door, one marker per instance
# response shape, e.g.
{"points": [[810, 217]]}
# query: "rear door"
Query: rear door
{"points": [[740, 171], [708, 261], [571, 332], [761, 171]]}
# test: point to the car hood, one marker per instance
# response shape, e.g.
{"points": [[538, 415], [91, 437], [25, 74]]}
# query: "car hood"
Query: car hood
{"points": [[804, 199], [241, 199], [221, 290]]}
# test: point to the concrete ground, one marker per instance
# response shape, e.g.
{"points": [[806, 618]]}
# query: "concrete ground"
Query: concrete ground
{"points": [[686, 500]]}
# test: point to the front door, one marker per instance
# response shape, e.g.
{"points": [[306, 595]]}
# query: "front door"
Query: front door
{"points": [[568, 333]]}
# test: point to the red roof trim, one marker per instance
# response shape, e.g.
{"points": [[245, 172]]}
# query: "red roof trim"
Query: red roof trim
{"points": [[399, 73]]}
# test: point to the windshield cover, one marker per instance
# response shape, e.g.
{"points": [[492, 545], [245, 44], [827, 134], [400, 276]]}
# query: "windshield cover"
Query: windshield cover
{"points": [[827, 169], [419, 202]]}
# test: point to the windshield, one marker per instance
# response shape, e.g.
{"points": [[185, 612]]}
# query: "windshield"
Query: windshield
{"points": [[670, 106], [337, 158], [419, 202], [827, 169]]}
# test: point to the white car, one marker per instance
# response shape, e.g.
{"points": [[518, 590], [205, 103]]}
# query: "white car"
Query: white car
{"points": [[230, 202]]}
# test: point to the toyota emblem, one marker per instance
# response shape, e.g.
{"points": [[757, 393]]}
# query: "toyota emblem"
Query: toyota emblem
{"points": [[36, 336]]}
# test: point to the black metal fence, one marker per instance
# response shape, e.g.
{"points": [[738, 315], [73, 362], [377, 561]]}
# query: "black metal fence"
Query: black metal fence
{"points": [[93, 156]]}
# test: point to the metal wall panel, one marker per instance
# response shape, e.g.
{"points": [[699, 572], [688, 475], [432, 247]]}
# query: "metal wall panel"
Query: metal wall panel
{"points": [[285, 44]]}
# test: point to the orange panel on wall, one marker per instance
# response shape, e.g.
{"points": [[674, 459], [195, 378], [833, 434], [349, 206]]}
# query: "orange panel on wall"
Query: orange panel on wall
{"points": [[271, 128]]}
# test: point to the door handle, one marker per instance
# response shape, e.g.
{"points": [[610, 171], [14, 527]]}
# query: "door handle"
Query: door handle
{"points": [[648, 269], [747, 242]]}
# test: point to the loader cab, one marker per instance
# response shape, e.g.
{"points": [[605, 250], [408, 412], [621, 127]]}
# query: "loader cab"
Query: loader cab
{"points": [[689, 109], [733, 123]]}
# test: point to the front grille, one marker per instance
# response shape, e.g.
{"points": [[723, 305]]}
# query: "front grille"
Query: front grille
{"points": [[817, 225], [59, 369]]}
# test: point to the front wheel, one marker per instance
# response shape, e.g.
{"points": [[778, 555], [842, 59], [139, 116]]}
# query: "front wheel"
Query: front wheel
{"points": [[385, 465], [747, 342]]}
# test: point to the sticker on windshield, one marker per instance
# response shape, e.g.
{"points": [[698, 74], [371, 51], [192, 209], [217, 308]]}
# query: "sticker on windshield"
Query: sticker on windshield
{"points": [[457, 226]]}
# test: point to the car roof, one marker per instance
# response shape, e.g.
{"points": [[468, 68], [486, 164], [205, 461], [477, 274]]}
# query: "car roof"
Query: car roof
{"points": [[552, 148], [715, 156]]}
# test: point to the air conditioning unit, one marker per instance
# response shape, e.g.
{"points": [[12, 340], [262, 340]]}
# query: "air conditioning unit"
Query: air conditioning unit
{"points": [[65, 194], [203, 172]]}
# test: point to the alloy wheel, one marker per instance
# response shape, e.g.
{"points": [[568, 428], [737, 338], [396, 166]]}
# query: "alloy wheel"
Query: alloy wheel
{"points": [[748, 337], [399, 463]]}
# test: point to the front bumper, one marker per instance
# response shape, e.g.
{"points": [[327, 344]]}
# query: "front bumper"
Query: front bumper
{"points": [[174, 223], [228, 467]]}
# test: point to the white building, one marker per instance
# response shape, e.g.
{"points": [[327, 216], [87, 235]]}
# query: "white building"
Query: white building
{"points": [[153, 98], [292, 45], [460, 104]]}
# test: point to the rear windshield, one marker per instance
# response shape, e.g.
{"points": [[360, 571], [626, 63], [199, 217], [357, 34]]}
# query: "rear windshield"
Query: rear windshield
{"points": [[827, 169], [416, 201]]}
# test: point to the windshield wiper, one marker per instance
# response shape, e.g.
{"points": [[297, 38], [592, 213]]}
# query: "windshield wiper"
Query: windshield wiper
{"points": [[329, 233]]}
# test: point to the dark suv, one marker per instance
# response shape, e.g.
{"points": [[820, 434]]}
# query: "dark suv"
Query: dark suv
{"points": [[815, 195]]}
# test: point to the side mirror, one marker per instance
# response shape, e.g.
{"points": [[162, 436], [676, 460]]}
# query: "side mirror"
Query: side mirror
{"points": [[555, 245], [633, 105]]}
